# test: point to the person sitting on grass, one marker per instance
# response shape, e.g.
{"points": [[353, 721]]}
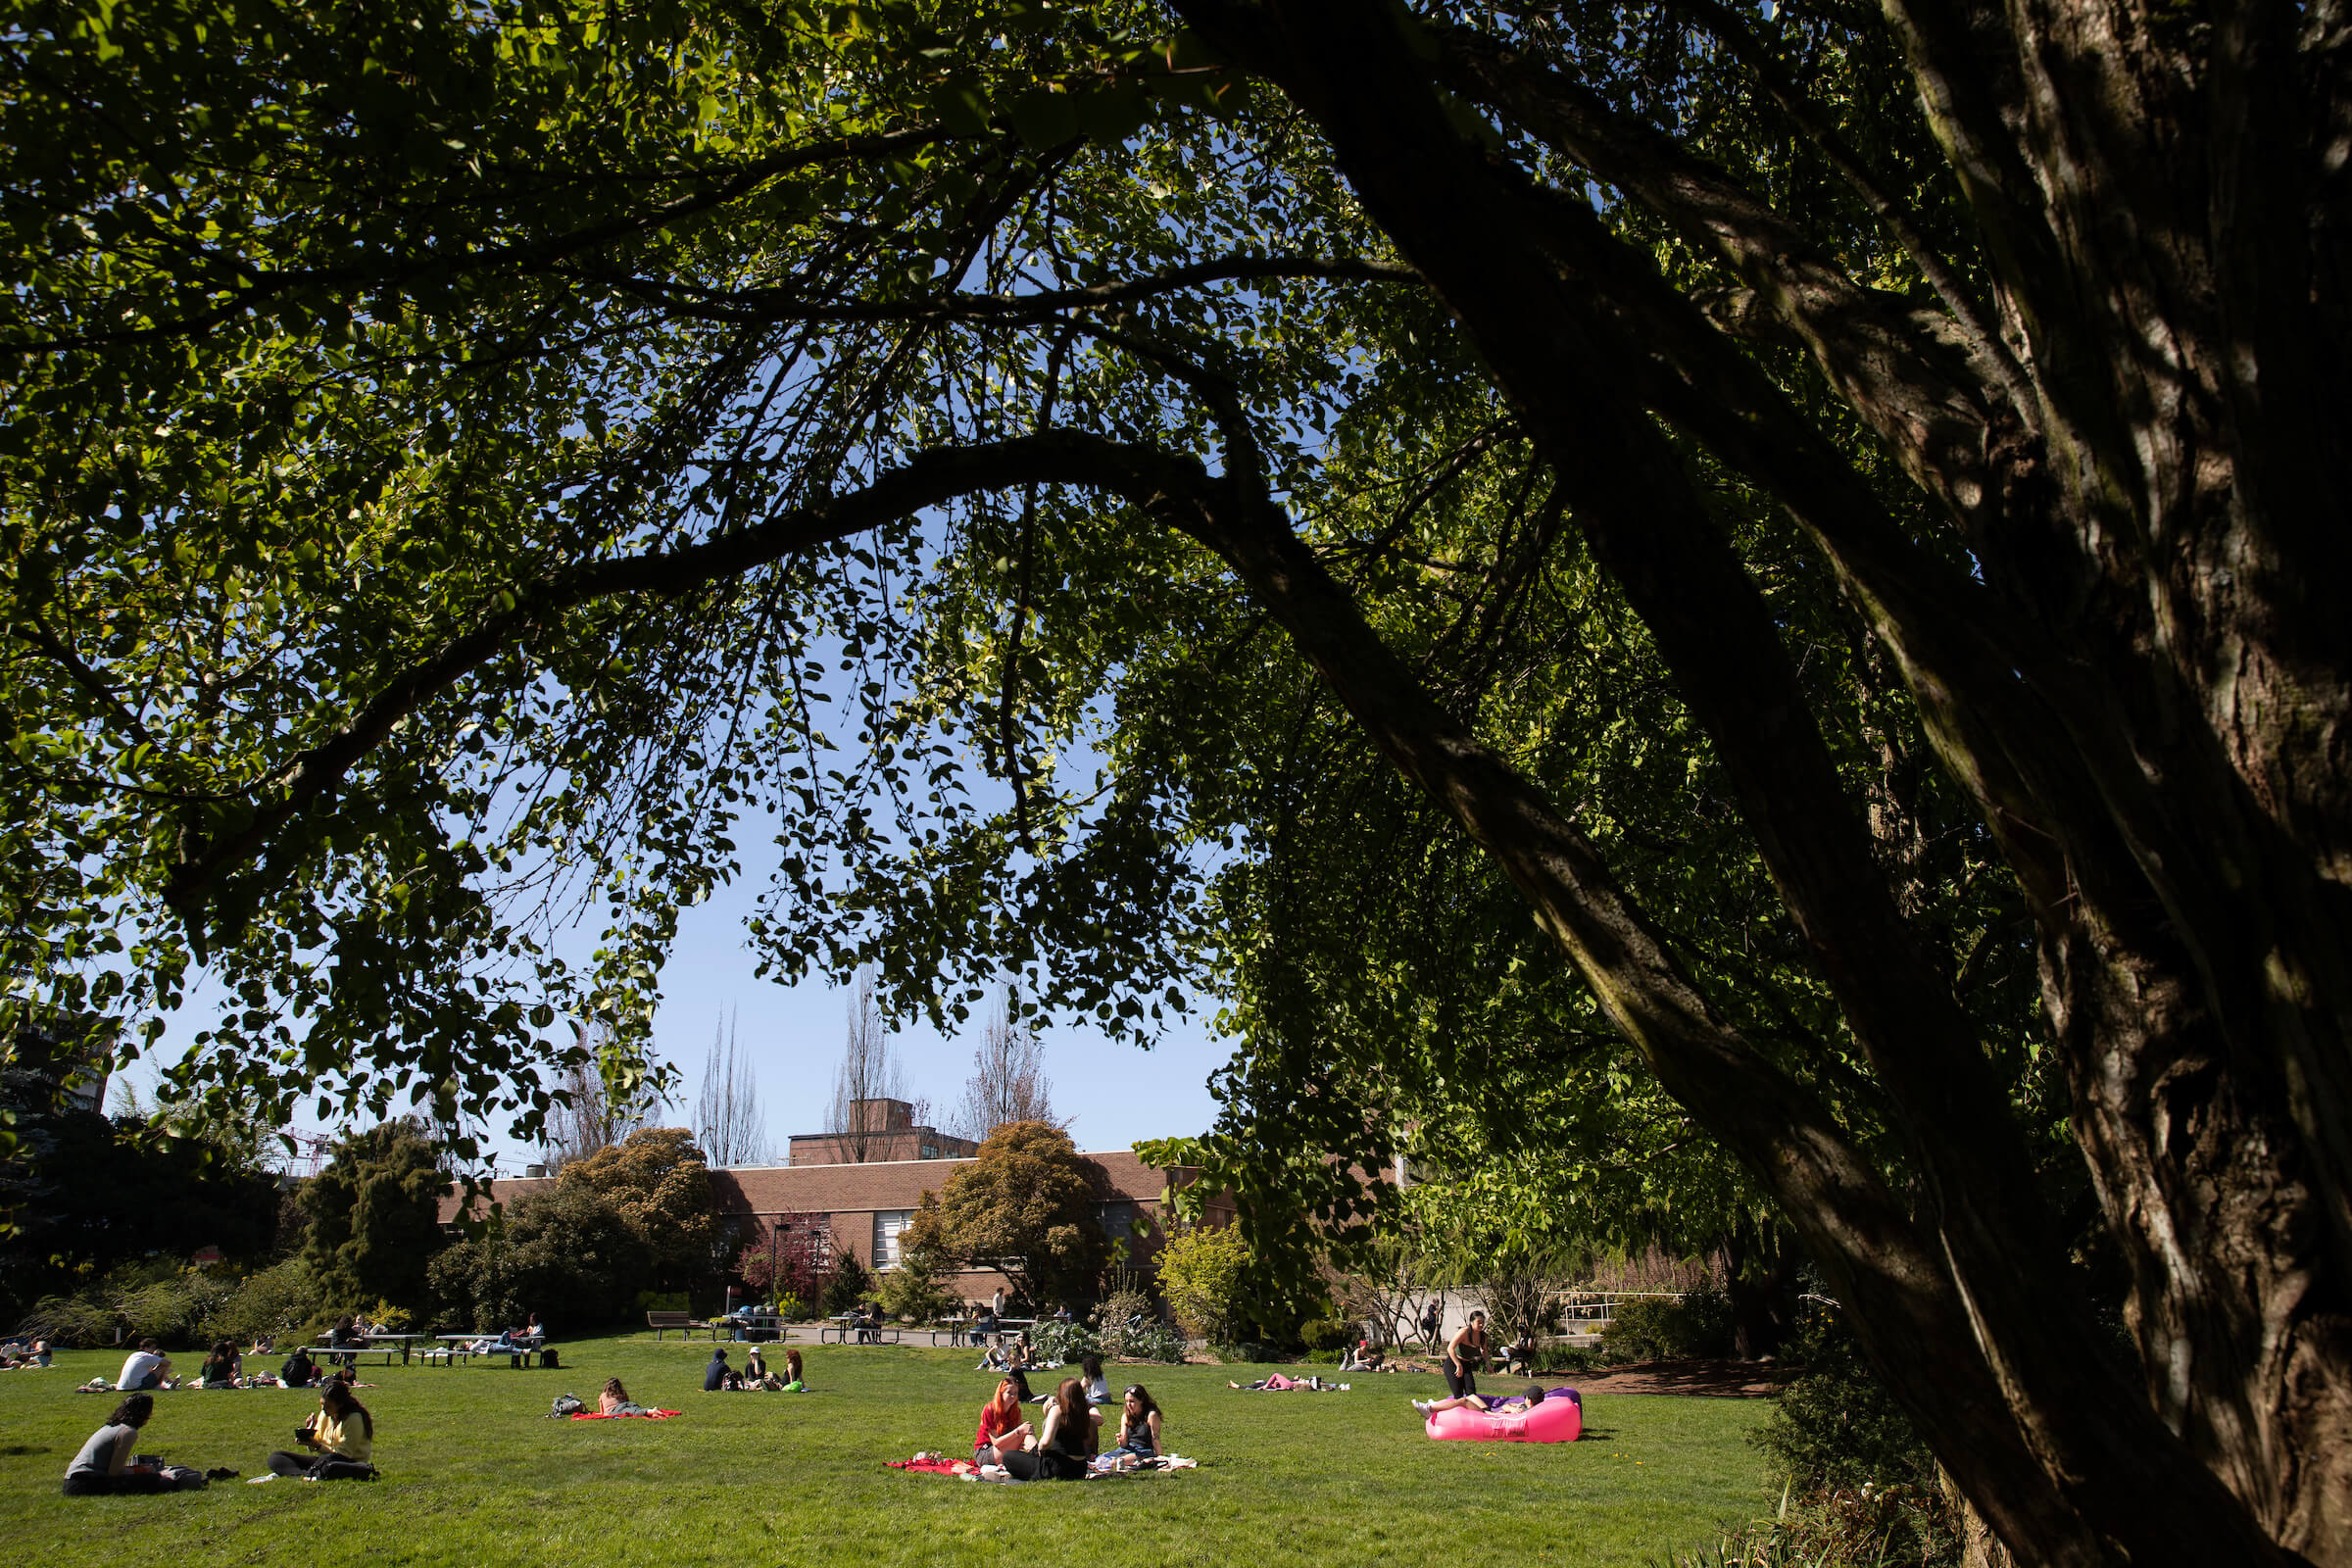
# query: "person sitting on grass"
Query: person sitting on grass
{"points": [[1064, 1444], [341, 1438], [793, 1380], [1139, 1425], [264, 1345], [615, 1400], [1003, 1430], [1363, 1357], [146, 1367], [222, 1368], [299, 1371], [755, 1367], [718, 1375], [1090, 1372], [104, 1468], [1517, 1405]]}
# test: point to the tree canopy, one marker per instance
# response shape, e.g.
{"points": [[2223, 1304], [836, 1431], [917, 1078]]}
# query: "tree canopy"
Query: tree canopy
{"points": [[1029, 1204], [374, 1212], [1765, 581]]}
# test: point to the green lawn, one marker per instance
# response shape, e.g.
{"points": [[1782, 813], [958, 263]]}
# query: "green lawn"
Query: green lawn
{"points": [[475, 1474]]}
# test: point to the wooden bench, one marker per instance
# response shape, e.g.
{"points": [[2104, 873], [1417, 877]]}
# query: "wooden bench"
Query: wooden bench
{"points": [[684, 1322]]}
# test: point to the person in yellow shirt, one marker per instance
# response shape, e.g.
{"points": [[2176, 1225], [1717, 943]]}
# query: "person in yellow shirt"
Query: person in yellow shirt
{"points": [[341, 1438]]}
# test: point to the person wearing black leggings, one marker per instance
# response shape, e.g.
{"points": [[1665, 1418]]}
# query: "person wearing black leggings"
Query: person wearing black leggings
{"points": [[1066, 1442], [341, 1439]]}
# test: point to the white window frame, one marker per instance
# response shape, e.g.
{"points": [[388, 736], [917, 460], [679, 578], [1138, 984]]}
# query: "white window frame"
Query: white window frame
{"points": [[888, 1225]]}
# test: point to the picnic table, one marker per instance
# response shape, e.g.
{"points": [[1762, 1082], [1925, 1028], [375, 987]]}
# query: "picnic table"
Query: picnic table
{"points": [[754, 1326], [321, 1353], [401, 1340], [842, 1323], [684, 1322]]}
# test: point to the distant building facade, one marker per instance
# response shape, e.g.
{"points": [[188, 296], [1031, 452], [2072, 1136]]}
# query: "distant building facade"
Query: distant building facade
{"points": [[861, 1207], [883, 1132]]}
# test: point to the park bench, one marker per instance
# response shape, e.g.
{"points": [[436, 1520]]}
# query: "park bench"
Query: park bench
{"points": [[684, 1322]]}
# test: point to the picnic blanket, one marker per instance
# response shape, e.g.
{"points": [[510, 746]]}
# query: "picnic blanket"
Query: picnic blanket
{"points": [[623, 1416], [932, 1467]]}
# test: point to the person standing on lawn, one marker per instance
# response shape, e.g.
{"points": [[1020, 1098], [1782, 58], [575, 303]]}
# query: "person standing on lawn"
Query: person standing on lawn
{"points": [[1429, 1325], [1465, 1353]]}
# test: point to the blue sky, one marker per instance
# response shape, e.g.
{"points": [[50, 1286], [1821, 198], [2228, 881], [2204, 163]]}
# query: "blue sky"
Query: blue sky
{"points": [[1114, 1091]]}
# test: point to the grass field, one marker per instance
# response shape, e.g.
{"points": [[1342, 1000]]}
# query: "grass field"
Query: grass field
{"points": [[474, 1473]]}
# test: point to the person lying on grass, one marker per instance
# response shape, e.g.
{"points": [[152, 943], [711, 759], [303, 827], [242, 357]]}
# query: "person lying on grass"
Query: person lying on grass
{"points": [[1276, 1383], [1139, 1425], [615, 1400], [1002, 1429], [1493, 1405], [341, 1438], [1066, 1442]]}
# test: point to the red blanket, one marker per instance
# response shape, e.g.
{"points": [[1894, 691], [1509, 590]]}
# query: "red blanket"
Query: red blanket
{"points": [[642, 1415], [931, 1467]]}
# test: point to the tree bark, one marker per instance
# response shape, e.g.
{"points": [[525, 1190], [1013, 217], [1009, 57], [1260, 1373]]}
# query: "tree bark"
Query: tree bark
{"points": [[2156, 725]]}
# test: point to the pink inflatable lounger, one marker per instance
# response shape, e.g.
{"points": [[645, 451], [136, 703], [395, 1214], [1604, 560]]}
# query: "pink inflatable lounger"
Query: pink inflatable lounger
{"points": [[1560, 1418]]}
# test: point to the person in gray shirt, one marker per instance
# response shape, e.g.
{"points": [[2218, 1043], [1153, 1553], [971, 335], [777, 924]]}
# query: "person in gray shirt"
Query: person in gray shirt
{"points": [[104, 1467]]}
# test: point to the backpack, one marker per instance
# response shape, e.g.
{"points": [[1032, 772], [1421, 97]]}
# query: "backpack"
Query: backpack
{"points": [[567, 1404]]}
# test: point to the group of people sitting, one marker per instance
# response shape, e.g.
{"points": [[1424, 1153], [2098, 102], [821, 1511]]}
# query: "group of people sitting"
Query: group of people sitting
{"points": [[338, 1439], [21, 1354], [1011, 1356], [1062, 1443], [718, 1377]]}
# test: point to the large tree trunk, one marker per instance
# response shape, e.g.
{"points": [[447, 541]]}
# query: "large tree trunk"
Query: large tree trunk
{"points": [[2147, 693]]}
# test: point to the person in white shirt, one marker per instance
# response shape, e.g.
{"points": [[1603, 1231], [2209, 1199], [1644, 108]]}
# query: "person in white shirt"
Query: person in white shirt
{"points": [[144, 1368]]}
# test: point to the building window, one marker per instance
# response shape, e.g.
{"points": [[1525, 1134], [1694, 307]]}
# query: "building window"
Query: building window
{"points": [[1118, 1220], [887, 1223]]}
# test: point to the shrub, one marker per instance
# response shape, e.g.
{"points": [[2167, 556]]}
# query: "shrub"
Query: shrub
{"points": [[849, 1285], [277, 1300], [375, 1215], [1154, 1341], [791, 1308], [1322, 1334], [1245, 1350], [1056, 1341], [174, 1306], [1835, 1428], [913, 1290], [566, 1252], [1128, 1324], [1200, 1273], [1656, 1329]]}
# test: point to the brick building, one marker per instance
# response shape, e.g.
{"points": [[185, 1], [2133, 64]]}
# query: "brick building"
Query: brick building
{"points": [[864, 1205], [885, 1131]]}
